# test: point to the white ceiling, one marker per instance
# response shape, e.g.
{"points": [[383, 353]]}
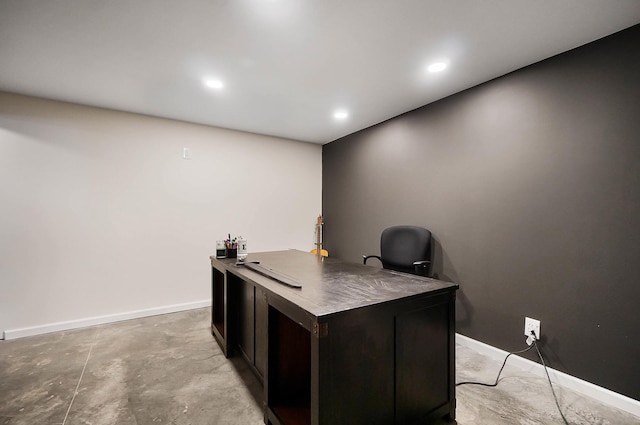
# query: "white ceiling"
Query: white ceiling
{"points": [[286, 64]]}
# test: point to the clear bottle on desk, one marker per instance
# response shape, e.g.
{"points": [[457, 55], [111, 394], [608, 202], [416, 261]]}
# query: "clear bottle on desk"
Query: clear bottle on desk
{"points": [[221, 249], [242, 248]]}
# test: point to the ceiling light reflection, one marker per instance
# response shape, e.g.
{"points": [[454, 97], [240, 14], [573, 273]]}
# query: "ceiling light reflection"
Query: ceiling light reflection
{"points": [[213, 83], [340, 114], [437, 67]]}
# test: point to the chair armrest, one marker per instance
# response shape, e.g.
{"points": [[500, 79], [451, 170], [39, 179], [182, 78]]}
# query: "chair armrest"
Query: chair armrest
{"points": [[422, 267], [366, 257]]}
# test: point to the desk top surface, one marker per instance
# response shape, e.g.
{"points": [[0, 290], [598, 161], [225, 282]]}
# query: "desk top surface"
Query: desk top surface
{"points": [[330, 285]]}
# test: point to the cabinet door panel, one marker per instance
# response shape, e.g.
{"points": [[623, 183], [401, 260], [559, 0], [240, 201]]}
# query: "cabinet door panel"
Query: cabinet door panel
{"points": [[261, 315], [246, 325], [422, 362], [356, 368]]}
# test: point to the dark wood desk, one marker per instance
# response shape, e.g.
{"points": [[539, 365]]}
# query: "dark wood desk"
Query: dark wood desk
{"points": [[354, 345]]}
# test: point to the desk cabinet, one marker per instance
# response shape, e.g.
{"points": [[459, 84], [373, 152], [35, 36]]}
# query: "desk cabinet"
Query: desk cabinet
{"points": [[355, 345], [219, 306], [251, 307], [238, 315]]}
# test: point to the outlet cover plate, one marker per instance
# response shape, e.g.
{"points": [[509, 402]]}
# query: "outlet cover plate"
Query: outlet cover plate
{"points": [[531, 325]]}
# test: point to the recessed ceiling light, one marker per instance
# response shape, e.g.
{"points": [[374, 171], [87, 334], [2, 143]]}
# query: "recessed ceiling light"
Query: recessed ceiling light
{"points": [[437, 67], [213, 83], [340, 114]]}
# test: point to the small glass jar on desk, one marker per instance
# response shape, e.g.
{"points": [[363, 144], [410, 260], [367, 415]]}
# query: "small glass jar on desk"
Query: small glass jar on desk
{"points": [[221, 249]]}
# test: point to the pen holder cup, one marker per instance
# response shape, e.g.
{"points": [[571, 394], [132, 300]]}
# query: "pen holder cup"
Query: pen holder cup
{"points": [[232, 252]]}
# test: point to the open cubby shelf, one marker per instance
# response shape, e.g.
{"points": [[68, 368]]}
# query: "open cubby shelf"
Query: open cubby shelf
{"points": [[293, 415], [217, 292], [289, 370]]}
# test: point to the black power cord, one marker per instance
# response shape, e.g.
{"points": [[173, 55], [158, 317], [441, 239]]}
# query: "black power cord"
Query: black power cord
{"points": [[534, 345], [495, 384]]}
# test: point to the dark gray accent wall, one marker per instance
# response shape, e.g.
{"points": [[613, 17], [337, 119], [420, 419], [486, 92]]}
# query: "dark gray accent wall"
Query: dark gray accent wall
{"points": [[530, 184]]}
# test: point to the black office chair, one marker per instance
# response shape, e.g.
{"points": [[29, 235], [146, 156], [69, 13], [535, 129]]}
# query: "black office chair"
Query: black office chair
{"points": [[404, 249]]}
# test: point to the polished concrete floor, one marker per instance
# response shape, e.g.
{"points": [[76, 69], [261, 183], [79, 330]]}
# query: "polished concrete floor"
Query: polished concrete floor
{"points": [[168, 370]]}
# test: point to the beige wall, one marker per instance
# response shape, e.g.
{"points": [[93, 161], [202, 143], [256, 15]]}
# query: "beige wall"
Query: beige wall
{"points": [[101, 215]]}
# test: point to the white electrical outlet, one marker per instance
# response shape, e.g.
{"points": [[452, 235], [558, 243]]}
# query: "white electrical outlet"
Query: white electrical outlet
{"points": [[531, 325]]}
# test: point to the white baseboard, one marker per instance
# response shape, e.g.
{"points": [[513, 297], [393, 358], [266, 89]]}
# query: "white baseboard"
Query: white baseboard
{"points": [[99, 320], [604, 395]]}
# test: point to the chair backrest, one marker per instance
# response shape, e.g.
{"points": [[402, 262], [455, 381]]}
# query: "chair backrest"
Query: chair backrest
{"points": [[400, 246]]}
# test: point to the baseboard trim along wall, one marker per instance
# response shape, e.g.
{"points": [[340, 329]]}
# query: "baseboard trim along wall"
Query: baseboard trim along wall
{"points": [[100, 320], [604, 395]]}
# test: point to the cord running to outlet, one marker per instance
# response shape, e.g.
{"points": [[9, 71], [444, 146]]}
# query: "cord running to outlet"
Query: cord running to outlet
{"points": [[534, 345], [495, 384]]}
